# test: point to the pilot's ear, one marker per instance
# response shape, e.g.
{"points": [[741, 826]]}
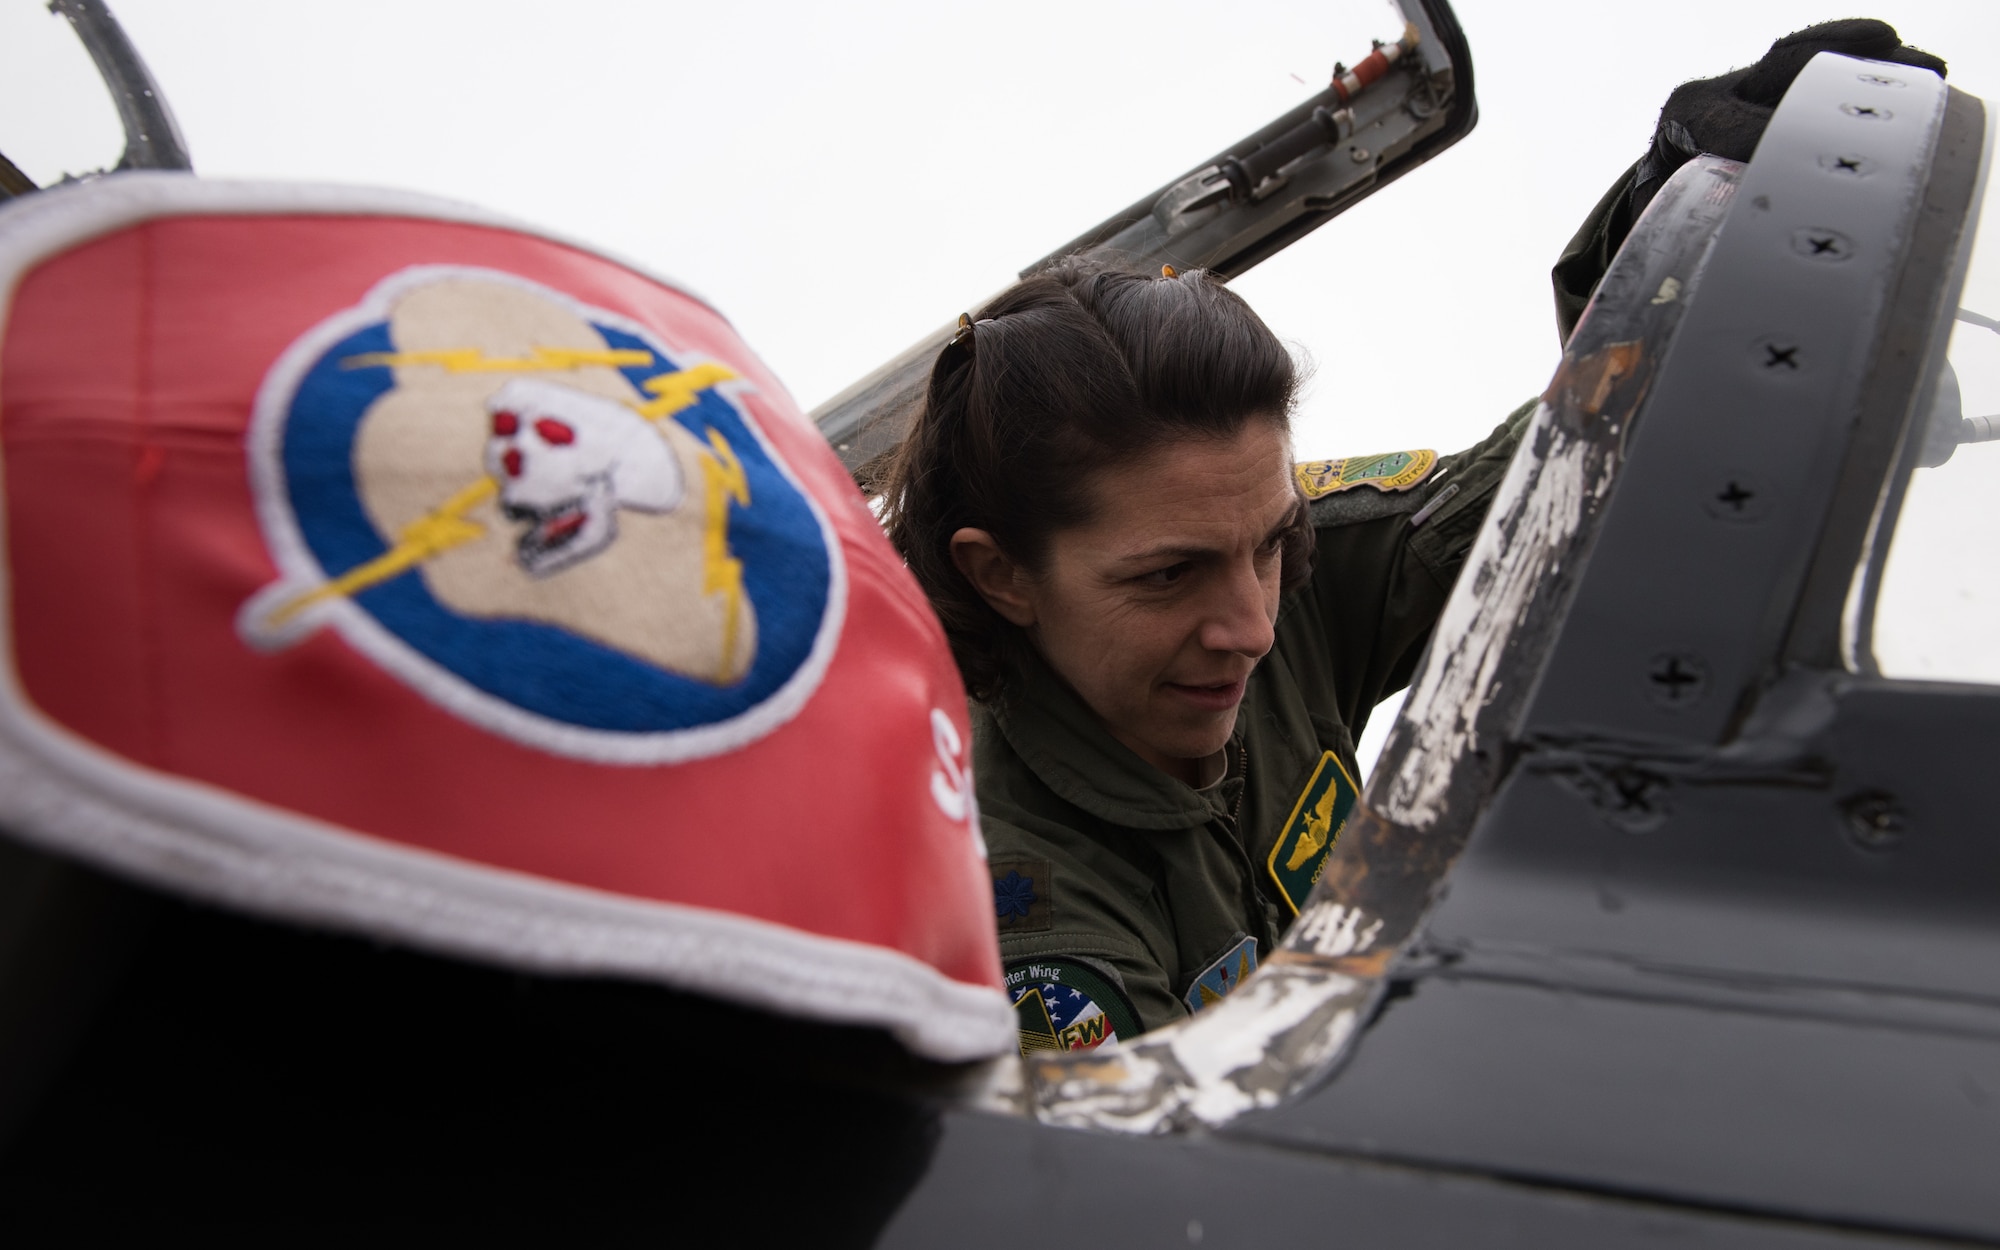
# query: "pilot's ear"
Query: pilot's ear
{"points": [[994, 574]]}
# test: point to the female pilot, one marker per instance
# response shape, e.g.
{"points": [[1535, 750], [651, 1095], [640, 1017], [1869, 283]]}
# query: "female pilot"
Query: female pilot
{"points": [[1100, 501]]}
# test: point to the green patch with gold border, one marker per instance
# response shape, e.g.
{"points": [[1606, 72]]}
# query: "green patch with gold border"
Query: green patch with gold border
{"points": [[1310, 832], [1390, 471]]}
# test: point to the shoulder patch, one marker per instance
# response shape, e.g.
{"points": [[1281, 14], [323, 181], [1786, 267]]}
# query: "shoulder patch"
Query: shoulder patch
{"points": [[1311, 830], [1022, 890], [1064, 1004], [1391, 471], [1214, 983]]}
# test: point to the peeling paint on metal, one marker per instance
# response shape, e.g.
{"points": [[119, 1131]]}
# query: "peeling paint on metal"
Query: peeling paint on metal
{"points": [[1245, 1052]]}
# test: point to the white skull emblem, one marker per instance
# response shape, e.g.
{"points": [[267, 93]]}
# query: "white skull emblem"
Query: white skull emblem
{"points": [[566, 461]]}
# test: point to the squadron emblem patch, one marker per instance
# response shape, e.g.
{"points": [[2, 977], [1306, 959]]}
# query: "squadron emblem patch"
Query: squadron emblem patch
{"points": [[1393, 471], [1313, 827], [1217, 981], [542, 517], [1065, 1004]]}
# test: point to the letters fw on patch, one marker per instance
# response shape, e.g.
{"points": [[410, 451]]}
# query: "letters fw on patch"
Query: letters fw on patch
{"points": [[539, 516]]}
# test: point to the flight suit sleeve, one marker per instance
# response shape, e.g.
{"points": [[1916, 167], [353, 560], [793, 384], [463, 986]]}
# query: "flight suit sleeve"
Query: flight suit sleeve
{"points": [[1080, 976], [1588, 256], [1385, 565]]}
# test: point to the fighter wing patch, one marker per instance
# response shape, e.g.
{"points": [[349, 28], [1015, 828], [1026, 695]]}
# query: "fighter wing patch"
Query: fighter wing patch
{"points": [[1310, 832], [1065, 1004], [1214, 983], [1392, 471]]}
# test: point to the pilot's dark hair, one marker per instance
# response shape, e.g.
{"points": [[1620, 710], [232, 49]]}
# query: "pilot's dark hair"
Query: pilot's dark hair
{"points": [[1066, 373]]}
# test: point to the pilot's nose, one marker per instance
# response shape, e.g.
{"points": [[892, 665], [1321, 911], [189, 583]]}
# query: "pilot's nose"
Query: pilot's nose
{"points": [[1241, 614]]}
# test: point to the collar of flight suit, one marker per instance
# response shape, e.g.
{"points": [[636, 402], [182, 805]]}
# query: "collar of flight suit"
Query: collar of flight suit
{"points": [[1064, 743]]}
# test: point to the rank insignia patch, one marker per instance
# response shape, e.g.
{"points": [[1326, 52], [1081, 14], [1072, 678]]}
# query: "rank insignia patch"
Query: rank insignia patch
{"points": [[1394, 471], [542, 517], [1065, 1004], [1315, 825], [1216, 982], [1022, 889]]}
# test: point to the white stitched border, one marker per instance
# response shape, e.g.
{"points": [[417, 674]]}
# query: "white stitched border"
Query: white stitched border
{"points": [[71, 798], [69, 213]]}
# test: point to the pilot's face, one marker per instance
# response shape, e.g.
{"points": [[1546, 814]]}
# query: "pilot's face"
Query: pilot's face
{"points": [[1158, 609]]}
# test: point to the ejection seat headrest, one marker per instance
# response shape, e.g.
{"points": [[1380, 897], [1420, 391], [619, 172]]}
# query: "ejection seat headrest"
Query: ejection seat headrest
{"points": [[373, 563]]}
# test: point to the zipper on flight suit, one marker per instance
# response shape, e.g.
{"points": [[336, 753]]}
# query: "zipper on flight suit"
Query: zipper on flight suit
{"points": [[1255, 904]]}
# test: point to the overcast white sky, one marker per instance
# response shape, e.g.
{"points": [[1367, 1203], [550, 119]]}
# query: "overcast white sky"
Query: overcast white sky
{"points": [[840, 179]]}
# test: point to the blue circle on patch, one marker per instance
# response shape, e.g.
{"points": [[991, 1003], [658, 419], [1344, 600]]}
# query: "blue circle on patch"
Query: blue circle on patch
{"points": [[734, 561]]}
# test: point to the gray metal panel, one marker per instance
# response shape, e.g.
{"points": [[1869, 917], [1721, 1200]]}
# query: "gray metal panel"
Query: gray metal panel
{"points": [[1734, 459], [1007, 1183], [1760, 876], [1762, 976], [1865, 1126]]}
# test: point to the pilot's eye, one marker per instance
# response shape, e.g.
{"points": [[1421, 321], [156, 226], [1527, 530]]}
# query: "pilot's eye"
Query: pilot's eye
{"points": [[1166, 576], [505, 423], [553, 431]]}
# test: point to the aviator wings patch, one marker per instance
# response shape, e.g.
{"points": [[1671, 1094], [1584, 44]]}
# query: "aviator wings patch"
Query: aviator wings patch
{"points": [[1310, 832]]}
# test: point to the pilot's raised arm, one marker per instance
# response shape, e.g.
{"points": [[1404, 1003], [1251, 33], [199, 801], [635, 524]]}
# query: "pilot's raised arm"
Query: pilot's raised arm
{"points": [[1722, 116], [1101, 500]]}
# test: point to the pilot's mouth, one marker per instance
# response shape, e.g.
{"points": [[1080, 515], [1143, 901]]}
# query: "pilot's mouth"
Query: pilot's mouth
{"points": [[553, 529], [1213, 696]]}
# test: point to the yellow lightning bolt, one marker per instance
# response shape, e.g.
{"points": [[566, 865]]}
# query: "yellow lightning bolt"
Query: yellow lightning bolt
{"points": [[720, 570], [445, 526], [675, 391], [472, 360], [433, 534]]}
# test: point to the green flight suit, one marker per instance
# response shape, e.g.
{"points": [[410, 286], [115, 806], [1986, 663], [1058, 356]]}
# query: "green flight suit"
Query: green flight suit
{"points": [[1117, 886]]}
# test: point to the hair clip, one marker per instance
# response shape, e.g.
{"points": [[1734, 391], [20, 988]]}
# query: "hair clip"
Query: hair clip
{"points": [[966, 326], [1168, 271]]}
